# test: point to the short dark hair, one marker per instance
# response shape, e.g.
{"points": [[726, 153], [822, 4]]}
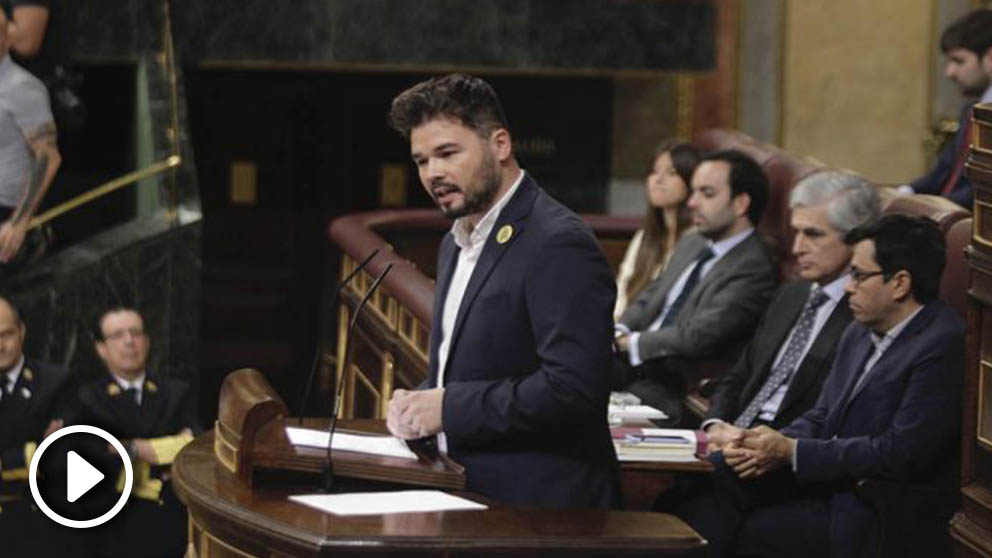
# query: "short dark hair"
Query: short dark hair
{"points": [[746, 177], [906, 242], [973, 32], [98, 326], [8, 9], [468, 99]]}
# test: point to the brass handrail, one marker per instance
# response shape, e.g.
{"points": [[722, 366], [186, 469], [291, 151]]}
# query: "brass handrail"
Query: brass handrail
{"points": [[172, 132], [104, 189]]}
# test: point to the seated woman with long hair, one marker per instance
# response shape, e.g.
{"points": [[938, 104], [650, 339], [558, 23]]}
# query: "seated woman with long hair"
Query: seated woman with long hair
{"points": [[667, 218]]}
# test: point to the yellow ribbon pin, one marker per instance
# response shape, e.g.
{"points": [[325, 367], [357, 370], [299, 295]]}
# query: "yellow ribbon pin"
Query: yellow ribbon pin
{"points": [[504, 234], [113, 390], [28, 375]]}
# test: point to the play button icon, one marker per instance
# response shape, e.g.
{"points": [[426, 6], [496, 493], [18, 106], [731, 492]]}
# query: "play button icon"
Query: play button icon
{"points": [[80, 476]]}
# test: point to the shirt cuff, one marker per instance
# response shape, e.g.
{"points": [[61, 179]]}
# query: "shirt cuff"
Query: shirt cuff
{"points": [[710, 422], [620, 329], [905, 189], [633, 349]]}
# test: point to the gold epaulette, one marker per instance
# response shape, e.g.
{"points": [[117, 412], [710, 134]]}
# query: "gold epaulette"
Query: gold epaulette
{"points": [[21, 474]]}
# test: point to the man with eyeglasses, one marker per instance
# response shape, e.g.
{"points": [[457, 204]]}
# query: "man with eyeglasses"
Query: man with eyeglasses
{"points": [[889, 409], [154, 416]]}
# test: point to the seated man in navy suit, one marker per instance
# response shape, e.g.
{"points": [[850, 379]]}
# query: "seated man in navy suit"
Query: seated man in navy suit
{"points": [[890, 409], [521, 333], [967, 46]]}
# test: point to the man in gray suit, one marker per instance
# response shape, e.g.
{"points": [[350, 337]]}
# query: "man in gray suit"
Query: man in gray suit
{"points": [[714, 289]]}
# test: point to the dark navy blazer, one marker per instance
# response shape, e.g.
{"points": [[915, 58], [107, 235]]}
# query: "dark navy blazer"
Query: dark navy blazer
{"points": [[527, 376], [933, 181], [902, 424]]}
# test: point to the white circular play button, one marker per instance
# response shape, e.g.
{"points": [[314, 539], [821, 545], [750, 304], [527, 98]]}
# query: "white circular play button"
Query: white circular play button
{"points": [[81, 476]]}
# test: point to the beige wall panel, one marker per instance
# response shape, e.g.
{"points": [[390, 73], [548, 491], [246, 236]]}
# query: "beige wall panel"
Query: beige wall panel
{"points": [[856, 82]]}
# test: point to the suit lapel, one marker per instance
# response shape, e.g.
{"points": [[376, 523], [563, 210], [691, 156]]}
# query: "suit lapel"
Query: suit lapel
{"points": [[153, 404], [815, 360], [859, 358], [780, 325], [123, 410], [722, 266], [681, 259], [514, 214]]}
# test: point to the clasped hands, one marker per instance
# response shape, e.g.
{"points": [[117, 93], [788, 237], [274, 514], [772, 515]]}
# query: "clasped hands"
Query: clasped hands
{"points": [[751, 452], [415, 414]]}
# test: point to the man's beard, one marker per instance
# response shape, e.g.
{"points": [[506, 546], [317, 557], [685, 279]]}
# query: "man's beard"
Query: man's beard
{"points": [[479, 199]]}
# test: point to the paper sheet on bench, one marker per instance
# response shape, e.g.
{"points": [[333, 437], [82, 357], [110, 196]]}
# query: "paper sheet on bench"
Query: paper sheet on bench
{"points": [[375, 503], [628, 412], [376, 445]]}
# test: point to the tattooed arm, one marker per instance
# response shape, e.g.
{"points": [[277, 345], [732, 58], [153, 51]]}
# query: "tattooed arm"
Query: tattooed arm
{"points": [[46, 162]]}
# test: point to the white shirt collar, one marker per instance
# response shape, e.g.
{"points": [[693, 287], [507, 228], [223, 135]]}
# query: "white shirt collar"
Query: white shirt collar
{"points": [[466, 236], [835, 288], [137, 383], [987, 96], [721, 247], [14, 372], [894, 332]]}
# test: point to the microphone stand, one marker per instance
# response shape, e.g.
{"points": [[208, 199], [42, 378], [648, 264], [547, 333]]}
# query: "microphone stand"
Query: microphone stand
{"points": [[339, 392], [317, 352]]}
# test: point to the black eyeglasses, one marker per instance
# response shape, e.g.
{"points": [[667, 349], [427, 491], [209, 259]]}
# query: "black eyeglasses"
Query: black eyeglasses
{"points": [[859, 276]]}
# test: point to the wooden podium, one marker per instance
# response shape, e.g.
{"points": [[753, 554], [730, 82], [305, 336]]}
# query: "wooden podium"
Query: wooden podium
{"points": [[235, 510]]}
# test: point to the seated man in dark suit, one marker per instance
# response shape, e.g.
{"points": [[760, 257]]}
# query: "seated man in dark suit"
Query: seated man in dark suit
{"points": [[967, 47], [714, 289], [34, 398], [890, 408], [154, 416], [780, 373]]}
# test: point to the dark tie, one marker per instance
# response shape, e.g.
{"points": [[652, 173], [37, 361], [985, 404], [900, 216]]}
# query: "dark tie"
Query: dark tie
{"points": [[133, 394], [7, 392], [690, 283], [790, 359]]}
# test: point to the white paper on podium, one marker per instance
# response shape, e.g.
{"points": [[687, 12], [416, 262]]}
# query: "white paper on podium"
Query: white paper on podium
{"points": [[388, 446], [376, 503]]}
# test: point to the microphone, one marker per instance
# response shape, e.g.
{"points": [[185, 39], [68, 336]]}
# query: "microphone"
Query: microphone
{"points": [[317, 353], [339, 392]]}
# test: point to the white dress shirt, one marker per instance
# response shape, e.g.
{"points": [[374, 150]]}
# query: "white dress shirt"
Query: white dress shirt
{"points": [[719, 249], [12, 375]]}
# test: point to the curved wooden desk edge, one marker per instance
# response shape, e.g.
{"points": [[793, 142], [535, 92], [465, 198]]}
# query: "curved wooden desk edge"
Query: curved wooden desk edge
{"points": [[227, 515]]}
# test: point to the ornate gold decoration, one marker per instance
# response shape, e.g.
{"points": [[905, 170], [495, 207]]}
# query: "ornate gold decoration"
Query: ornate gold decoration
{"points": [[28, 375], [150, 386], [113, 389]]}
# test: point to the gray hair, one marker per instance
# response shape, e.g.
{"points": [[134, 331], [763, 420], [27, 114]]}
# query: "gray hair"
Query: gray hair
{"points": [[852, 200]]}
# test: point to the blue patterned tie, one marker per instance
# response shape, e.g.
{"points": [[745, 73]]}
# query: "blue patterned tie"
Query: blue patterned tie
{"points": [[790, 360], [690, 283]]}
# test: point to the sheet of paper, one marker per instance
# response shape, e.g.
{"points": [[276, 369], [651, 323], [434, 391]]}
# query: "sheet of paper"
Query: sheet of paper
{"points": [[388, 446], [376, 503], [624, 412]]}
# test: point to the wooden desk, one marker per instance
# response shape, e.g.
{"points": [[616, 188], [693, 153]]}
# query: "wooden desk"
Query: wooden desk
{"points": [[227, 519]]}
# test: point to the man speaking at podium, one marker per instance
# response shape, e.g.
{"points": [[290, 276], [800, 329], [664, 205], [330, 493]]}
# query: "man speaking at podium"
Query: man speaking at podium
{"points": [[520, 338]]}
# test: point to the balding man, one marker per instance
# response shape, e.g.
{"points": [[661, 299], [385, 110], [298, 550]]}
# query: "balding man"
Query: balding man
{"points": [[34, 397]]}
